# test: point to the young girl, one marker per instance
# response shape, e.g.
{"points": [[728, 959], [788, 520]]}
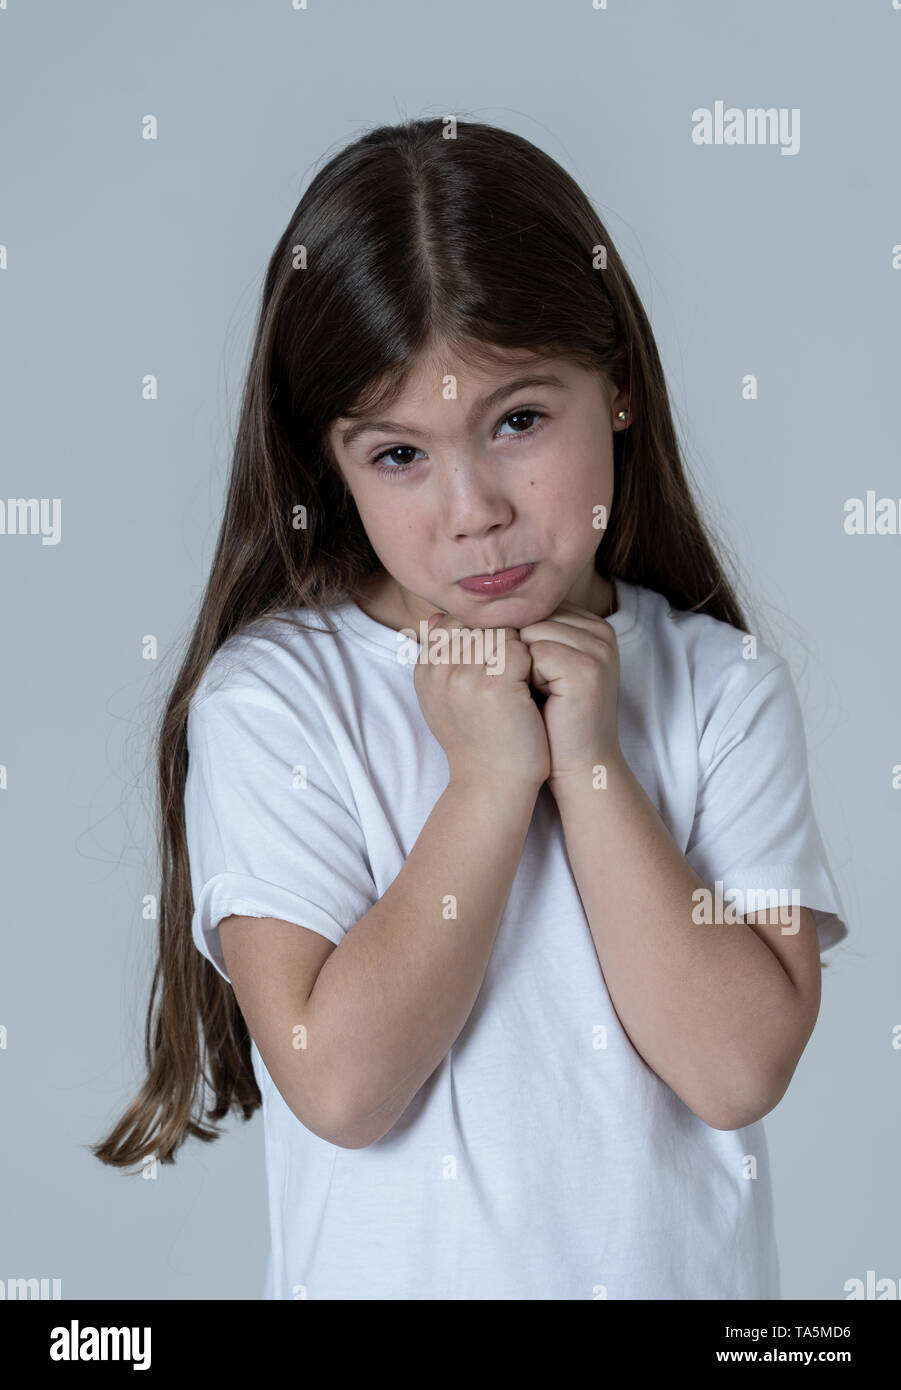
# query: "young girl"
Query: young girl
{"points": [[496, 944]]}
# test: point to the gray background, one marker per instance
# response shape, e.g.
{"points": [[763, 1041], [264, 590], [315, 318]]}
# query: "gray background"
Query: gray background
{"points": [[127, 257]]}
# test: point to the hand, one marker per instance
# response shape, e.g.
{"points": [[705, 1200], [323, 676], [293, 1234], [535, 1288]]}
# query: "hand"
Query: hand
{"points": [[575, 662], [488, 724]]}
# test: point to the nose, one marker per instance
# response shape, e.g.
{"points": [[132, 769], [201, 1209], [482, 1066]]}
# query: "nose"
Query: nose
{"points": [[474, 500]]}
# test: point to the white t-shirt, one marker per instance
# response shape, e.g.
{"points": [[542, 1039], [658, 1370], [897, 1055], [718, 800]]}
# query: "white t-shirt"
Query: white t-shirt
{"points": [[543, 1159]]}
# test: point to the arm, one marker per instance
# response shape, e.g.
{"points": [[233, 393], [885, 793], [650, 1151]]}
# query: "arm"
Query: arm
{"points": [[383, 1008], [721, 1012]]}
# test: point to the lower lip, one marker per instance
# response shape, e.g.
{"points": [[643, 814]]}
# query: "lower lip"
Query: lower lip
{"points": [[501, 583]]}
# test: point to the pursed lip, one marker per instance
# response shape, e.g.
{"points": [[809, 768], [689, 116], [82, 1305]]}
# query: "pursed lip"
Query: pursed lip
{"points": [[492, 574], [498, 582]]}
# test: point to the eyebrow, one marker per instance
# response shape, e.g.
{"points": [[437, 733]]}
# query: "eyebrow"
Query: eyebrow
{"points": [[364, 425]]}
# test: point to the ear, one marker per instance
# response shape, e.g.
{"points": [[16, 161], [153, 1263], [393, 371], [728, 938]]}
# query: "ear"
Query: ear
{"points": [[620, 402]]}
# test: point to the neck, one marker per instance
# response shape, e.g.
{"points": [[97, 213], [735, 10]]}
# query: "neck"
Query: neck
{"points": [[381, 598]]}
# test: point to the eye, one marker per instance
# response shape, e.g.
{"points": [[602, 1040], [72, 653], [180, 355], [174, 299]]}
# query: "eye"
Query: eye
{"points": [[404, 467], [395, 449], [517, 415]]}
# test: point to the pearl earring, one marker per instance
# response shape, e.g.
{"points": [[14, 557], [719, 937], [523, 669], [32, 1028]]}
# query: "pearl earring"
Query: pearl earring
{"points": [[622, 415]]}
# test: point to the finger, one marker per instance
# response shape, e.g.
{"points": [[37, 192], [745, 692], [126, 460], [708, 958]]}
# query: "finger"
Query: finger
{"points": [[568, 609], [563, 630], [575, 618], [572, 612], [577, 608], [548, 648]]}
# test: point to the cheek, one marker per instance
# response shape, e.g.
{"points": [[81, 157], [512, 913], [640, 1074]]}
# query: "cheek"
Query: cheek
{"points": [[566, 494], [546, 483], [394, 525], [377, 510]]}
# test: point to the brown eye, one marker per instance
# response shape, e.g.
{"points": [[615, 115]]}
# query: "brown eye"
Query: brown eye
{"points": [[519, 415]]}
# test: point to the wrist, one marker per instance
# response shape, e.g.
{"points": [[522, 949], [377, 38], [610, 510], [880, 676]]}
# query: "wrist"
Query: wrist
{"points": [[595, 775], [487, 784]]}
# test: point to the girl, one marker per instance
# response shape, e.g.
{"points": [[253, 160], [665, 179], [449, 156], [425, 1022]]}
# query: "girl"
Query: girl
{"points": [[497, 946]]}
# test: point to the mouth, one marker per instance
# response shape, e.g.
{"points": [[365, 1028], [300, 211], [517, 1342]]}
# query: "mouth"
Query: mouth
{"points": [[501, 582]]}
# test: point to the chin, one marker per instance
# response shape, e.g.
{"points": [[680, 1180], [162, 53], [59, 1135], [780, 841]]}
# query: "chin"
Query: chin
{"points": [[510, 611]]}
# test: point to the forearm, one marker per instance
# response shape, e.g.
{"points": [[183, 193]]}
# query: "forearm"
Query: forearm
{"points": [[709, 1007], [391, 999]]}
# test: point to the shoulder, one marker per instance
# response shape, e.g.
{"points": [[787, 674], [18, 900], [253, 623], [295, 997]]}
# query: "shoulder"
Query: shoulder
{"points": [[272, 660], [273, 686], [271, 697], [727, 669]]}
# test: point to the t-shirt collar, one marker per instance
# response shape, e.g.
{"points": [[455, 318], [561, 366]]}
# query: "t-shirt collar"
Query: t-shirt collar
{"points": [[350, 615]]}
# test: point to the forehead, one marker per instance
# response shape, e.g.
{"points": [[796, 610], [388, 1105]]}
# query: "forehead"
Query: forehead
{"points": [[474, 374]]}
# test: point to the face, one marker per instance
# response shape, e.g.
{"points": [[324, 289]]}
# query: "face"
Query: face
{"points": [[480, 475]]}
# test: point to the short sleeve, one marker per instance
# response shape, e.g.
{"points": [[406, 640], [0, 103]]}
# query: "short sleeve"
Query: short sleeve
{"points": [[269, 832], [754, 827]]}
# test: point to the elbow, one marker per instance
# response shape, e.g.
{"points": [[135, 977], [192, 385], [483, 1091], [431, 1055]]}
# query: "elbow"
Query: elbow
{"points": [[345, 1139], [334, 1129], [740, 1106], [327, 1119], [746, 1088], [356, 1128], [345, 1135], [340, 1135], [342, 1114], [349, 1137], [335, 1125], [734, 1119]]}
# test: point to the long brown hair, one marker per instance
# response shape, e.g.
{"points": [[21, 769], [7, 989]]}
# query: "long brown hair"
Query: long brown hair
{"points": [[417, 234]]}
